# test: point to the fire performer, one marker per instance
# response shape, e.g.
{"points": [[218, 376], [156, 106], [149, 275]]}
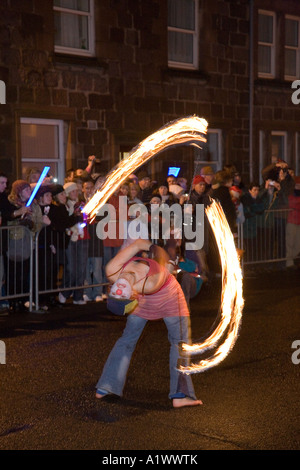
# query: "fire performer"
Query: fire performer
{"points": [[143, 285]]}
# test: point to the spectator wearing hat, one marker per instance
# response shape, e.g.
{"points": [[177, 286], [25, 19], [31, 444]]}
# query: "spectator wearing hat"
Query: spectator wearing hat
{"points": [[61, 222], [32, 218], [95, 253], [198, 193], [77, 251], [47, 269], [208, 175], [18, 197], [236, 194], [293, 226]]}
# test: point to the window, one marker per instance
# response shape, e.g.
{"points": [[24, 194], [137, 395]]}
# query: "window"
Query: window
{"points": [[266, 44], [292, 48], [74, 27], [211, 153], [183, 34], [279, 145], [42, 144]]}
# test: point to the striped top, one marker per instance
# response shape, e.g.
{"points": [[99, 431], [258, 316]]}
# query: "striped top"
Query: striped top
{"points": [[168, 301]]}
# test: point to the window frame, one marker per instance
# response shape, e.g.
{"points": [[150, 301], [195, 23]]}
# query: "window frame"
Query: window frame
{"points": [[215, 164], [58, 162], [272, 45], [293, 77], [264, 154], [91, 32], [195, 34], [282, 134]]}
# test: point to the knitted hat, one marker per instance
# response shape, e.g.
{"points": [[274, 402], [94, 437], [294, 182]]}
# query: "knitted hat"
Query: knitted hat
{"points": [[198, 179], [44, 188], [57, 188], [207, 170], [236, 191], [18, 186], [68, 187]]}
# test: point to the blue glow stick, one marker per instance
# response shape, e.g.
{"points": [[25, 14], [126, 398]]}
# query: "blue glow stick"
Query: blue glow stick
{"points": [[38, 184]]}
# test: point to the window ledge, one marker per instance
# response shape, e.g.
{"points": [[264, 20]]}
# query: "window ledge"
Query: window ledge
{"points": [[197, 75], [273, 83], [70, 59]]}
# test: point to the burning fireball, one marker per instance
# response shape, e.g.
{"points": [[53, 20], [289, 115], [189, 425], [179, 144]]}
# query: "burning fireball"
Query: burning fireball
{"points": [[182, 131]]}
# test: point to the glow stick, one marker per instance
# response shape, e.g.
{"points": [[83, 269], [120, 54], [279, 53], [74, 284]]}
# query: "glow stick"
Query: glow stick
{"points": [[38, 184]]}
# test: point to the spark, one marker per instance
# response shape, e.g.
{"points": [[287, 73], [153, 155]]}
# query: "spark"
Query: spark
{"points": [[232, 301], [180, 131]]}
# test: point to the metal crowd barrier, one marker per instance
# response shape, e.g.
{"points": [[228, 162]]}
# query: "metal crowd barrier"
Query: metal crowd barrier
{"points": [[16, 264], [33, 266], [263, 238], [32, 270]]}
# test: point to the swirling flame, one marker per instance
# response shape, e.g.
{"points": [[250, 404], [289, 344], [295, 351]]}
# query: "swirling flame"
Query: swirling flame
{"points": [[232, 301], [188, 130]]}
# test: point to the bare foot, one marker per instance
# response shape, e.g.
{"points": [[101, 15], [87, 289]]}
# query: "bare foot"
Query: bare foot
{"points": [[101, 395], [186, 401]]}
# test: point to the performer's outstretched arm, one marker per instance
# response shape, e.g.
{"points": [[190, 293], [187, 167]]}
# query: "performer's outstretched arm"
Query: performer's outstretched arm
{"points": [[115, 264]]}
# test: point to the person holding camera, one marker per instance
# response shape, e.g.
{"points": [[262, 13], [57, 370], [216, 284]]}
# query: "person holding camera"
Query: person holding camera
{"points": [[279, 185]]}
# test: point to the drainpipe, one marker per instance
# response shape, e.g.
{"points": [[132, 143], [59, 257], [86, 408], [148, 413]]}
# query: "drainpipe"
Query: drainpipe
{"points": [[251, 90]]}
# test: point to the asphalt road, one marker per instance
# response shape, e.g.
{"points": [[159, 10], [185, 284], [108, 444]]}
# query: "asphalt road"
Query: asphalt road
{"points": [[251, 400]]}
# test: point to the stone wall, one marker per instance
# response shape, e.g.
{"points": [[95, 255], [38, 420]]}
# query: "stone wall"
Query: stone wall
{"points": [[127, 91]]}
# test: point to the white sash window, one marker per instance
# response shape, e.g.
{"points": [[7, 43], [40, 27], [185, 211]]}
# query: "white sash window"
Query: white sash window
{"points": [[74, 27], [42, 144], [183, 34], [292, 48], [266, 44]]}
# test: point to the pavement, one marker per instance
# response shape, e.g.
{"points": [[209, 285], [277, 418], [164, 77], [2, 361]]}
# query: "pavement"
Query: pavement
{"points": [[250, 400]]}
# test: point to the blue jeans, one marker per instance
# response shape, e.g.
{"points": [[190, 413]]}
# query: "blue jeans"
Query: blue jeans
{"points": [[76, 255], [94, 276], [115, 370]]}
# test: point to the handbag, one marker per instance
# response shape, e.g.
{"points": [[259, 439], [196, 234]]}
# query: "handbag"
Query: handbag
{"points": [[19, 242]]}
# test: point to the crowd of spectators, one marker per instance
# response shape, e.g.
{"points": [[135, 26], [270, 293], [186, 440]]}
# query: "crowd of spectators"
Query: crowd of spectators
{"points": [[72, 256]]}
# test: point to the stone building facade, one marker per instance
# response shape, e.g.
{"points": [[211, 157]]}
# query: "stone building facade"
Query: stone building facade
{"points": [[106, 101]]}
